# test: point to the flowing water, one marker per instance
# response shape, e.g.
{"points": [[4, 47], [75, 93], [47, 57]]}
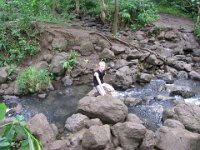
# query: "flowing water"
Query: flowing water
{"points": [[61, 104]]}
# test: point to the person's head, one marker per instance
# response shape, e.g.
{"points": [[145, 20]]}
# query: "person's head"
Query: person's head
{"points": [[102, 66]]}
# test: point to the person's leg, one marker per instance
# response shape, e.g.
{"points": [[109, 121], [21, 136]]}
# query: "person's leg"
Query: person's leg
{"points": [[100, 90]]}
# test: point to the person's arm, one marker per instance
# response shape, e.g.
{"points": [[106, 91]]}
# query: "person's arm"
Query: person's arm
{"points": [[99, 81]]}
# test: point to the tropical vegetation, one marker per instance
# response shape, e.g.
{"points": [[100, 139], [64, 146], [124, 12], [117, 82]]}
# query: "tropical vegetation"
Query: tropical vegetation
{"points": [[15, 134]]}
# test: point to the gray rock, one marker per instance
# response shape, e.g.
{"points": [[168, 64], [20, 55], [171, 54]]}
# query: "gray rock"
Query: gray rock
{"points": [[118, 49], [67, 81], [59, 145], [41, 128], [133, 118], [97, 138], [188, 115], [194, 75], [106, 108], [93, 122], [76, 122], [86, 49], [184, 91], [129, 134], [107, 54], [3, 75], [149, 141], [56, 65], [59, 43], [176, 139], [145, 78], [173, 124], [42, 65]]}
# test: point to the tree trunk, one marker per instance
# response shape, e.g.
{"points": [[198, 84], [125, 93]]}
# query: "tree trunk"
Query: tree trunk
{"points": [[116, 18], [77, 6], [103, 11], [198, 17], [54, 7]]}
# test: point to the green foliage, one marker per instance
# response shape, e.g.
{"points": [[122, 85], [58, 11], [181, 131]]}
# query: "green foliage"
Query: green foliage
{"points": [[185, 6], [3, 111], [71, 62], [33, 80], [134, 12], [11, 132]]}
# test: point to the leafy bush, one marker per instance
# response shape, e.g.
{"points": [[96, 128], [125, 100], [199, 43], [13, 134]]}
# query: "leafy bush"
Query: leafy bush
{"points": [[11, 131], [33, 80], [189, 6], [71, 62], [134, 12]]}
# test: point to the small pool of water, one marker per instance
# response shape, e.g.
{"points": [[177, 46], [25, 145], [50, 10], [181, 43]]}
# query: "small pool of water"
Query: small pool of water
{"points": [[57, 106]]}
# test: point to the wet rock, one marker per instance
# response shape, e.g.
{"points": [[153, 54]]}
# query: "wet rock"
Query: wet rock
{"points": [[76, 122], [184, 91], [176, 138], [42, 96], [182, 75], [131, 101], [41, 128], [167, 77], [129, 134], [106, 108], [97, 137]]}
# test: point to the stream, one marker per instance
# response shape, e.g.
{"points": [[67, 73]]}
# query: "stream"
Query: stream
{"points": [[60, 104]]}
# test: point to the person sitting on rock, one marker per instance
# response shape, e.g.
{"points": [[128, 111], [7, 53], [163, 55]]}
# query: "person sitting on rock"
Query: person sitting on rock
{"points": [[101, 87]]}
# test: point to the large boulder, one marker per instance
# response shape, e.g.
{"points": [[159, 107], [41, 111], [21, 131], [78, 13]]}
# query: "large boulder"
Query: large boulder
{"points": [[177, 139], [123, 77], [97, 138], [41, 128], [188, 115], [128, 134], [106, 108]]}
